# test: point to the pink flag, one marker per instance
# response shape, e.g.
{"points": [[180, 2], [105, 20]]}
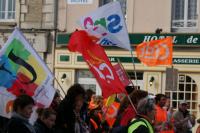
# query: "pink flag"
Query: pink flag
{"points": [[122, 75]]}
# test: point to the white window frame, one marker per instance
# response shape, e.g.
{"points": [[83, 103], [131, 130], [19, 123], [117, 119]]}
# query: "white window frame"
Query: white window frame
{"points": [[176, 24], [193, 101], [91, 81], [85, 77], [6, 19]]}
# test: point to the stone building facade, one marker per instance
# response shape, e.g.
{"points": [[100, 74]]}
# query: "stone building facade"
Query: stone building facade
{"points": [[36, 19]]}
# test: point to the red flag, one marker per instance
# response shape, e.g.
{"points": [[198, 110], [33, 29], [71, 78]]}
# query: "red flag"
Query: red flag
{"points": [[79, 41], [156, 52], [122, 75], [98, 62]]}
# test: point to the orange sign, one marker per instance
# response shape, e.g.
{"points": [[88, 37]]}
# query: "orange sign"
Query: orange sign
{"points": [[156, 52]]}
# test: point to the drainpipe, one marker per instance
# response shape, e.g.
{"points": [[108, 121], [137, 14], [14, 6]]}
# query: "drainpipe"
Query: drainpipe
{"points": [[19, 14], [55, 31]]}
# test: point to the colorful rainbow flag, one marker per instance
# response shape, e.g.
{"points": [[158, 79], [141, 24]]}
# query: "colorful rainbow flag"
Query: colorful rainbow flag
{"points": [[22, 71]]}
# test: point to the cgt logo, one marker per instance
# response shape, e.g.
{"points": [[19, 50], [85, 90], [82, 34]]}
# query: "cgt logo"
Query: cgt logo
{"points": [[102, 73], [111, 23], [157, 52]]}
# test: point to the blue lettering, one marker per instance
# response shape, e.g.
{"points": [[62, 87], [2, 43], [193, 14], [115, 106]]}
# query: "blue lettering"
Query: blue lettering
{"points": [[107, 42], [114, 26]]}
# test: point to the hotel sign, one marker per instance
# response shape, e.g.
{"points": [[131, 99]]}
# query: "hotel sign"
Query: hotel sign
{"points": [[178, 39], [186, 40]]}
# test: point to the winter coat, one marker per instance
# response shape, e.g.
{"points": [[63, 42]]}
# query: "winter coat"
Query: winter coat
{"points": [[40, 127], [19, 124], [181, 122]]}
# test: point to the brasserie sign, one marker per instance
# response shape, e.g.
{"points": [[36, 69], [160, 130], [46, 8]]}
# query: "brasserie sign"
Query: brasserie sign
{"points": [[186, 61]]}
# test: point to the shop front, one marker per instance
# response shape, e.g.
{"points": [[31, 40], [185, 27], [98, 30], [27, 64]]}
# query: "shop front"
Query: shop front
{"points": [[186, 60]]}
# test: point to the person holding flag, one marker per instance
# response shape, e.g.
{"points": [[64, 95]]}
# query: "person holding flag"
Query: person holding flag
{"points": [[142, 123], [126, 112]]}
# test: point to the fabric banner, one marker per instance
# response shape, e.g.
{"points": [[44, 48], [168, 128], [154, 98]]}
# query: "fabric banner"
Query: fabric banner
{"points": [[98, 62], [22, 71], [110, 113], [122, 75], [106, 26], [156, 52]]}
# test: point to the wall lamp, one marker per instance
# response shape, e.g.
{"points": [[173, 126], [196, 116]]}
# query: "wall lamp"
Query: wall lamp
{"points": [[151, 81], [63, 78]]}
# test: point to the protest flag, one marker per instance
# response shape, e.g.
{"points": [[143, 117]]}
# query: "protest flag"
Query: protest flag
{"points": [[22, 71], [156, 52], [98, 63], [106, 26], [122, 75]]}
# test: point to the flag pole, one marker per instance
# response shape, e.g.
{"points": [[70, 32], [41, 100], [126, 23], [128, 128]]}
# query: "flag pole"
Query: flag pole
{"points": [[132, 57], [172, 77], [131, 83], [131, 103], [60, 85]]}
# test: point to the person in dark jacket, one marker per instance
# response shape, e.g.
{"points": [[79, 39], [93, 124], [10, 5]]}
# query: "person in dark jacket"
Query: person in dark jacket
{"points": [[183, 120], [3, 123], [84, 110], [46, 120], [68, 116], [22, 109]]}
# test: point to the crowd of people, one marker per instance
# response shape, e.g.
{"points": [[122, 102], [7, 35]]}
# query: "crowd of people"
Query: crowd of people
{"points": [[82, 111]]}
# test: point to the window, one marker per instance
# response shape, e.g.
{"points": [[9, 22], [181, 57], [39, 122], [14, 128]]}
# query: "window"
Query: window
{"points": [[187, 90], [87, 80], [122, 2], [184, 15], [7, 10], [139, 75], [140, 82]]}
